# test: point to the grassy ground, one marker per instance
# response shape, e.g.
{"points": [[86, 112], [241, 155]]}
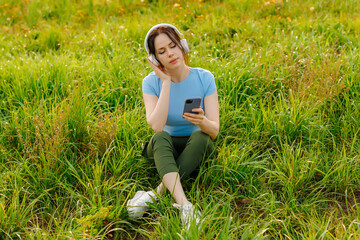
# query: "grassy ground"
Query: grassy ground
{"points": [[73, 123]]}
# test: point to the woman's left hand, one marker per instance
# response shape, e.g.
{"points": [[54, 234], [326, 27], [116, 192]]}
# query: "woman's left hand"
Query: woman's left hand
{"points": [[194, 118]]}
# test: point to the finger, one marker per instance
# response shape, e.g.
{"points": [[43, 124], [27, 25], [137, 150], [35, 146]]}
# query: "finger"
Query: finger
{"points": [[198, 110], [153, 66], [159, 71], [194, 120], [189, 117], [194, 115]]}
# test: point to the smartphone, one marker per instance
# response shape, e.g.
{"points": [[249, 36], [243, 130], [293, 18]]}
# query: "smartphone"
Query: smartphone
{"points": [[191, 103]]}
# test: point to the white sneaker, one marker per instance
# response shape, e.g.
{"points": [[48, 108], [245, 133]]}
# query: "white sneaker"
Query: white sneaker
{"points": [[137, 206], [189, 215]]}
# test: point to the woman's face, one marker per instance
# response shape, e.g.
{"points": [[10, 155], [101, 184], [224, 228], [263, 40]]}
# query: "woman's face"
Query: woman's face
{"points": [[167, 52]]}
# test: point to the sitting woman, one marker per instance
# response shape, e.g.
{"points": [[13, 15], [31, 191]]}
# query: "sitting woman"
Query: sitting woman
{"points": [[182, 139]]}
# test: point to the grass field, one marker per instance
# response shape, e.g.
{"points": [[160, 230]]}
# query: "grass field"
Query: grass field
{"points": [[73, 122]]}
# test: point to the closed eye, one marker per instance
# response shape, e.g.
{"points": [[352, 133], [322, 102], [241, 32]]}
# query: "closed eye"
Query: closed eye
{"points": [[171, 45]]}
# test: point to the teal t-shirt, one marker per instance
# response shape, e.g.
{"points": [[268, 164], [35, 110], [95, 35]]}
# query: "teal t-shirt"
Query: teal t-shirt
{"points": [[200, 83]]}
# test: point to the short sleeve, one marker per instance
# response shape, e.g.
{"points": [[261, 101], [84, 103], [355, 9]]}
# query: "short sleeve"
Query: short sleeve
{"points": [[149, 85], [210, 86]]}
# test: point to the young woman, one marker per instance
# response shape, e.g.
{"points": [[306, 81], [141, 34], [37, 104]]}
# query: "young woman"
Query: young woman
{"points": [[182, 140]]}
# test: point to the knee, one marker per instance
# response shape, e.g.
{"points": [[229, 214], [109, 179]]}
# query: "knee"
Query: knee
{"points": [[202, 139], [160, 136]]}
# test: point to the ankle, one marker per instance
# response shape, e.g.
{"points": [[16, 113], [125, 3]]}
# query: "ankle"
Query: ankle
{"points": [[184, 202], [160, 190]]}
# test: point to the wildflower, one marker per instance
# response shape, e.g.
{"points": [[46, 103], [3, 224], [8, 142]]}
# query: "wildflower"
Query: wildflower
{"points": [[176, 5]]}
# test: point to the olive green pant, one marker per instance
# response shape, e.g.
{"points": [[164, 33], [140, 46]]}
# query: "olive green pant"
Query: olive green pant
{"points": [[178, 154]]}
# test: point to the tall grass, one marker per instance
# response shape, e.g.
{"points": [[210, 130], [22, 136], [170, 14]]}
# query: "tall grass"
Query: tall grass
{"points": [[73, 122]]}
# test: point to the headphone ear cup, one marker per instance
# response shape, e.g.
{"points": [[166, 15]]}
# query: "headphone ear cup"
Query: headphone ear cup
{"points": [[153, 60], [185, 45]]}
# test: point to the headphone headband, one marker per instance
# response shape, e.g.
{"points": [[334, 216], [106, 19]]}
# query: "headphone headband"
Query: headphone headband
{"points": [[157, 26]]}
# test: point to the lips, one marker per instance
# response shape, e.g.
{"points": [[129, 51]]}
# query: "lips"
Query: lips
{"points": [[174, 61]]}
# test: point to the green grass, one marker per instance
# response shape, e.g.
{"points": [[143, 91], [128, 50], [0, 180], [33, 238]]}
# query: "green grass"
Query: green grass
{"points": [[73, 122]]}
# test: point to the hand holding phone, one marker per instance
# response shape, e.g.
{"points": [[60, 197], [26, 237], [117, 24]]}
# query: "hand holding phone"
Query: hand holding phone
{"points": [[190, 104]]}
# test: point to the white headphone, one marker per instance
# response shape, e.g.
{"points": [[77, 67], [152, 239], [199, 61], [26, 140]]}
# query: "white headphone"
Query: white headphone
{"points": [[183, 41]]}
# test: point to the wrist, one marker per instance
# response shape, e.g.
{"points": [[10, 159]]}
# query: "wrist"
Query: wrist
{"points": [[166, 81], [203, 123]]}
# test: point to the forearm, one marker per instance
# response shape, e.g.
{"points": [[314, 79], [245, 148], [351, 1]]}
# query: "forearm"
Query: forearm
{"points": [[158, 117], [209, 127]]}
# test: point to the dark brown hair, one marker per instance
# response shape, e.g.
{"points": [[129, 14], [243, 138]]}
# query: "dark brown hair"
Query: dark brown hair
{"points": [[172, 34]]}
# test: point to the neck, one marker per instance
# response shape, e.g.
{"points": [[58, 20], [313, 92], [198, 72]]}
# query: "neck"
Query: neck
{"points": [[179, 74]]}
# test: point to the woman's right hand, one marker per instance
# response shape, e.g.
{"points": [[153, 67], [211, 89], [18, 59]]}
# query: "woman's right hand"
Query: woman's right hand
{"points": [[162, 74]]}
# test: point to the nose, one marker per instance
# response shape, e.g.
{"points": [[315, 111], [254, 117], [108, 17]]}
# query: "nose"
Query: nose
{"points": [[170, 52]]}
